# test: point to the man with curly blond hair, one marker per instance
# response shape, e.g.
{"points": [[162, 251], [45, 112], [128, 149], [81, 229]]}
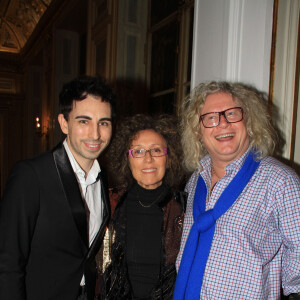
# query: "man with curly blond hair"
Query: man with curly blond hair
{"points": [[241, 236]]}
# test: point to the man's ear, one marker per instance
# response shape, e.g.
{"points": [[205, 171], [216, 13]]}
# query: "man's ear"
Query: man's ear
{"points": [[63, 124]]}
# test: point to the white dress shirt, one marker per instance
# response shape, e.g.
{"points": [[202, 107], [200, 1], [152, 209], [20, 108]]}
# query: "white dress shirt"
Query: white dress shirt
{"points": [[91, 194]]}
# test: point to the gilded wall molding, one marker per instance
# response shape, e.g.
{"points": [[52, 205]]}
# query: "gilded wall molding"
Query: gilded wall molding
{"points": [[18, 18]]}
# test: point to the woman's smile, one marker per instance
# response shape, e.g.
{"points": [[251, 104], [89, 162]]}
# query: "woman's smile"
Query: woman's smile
{"points": [[149, 170]]}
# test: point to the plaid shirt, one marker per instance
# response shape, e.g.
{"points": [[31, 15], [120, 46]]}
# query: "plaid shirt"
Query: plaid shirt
{"points": [[256, 244]]}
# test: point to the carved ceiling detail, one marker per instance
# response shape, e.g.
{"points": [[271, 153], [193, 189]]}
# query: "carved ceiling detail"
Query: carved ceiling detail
{"points": [[18, 18]]}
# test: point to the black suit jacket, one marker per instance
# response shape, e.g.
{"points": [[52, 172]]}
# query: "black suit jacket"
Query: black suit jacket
{"points": [[43, 231]]}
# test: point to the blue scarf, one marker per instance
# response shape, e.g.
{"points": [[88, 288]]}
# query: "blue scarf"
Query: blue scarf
{"points": [[196, 251]]}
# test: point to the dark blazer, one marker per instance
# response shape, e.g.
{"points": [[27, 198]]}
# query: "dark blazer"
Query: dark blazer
{"points": [[43, 231], [113, 279]]}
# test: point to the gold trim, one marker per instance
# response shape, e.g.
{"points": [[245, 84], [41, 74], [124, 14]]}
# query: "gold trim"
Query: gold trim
{"points": [[296, 97], [273, 56]]}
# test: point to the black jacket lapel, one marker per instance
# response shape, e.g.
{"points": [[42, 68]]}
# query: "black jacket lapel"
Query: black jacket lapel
{"points": [[90, 263], [71, 189], [106, 214]]}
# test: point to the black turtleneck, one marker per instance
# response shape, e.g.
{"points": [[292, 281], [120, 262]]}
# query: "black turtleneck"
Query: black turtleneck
{"points": [[144, 238]]}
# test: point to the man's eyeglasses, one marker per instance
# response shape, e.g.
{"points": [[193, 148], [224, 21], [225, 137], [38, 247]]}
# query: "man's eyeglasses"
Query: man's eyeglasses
{"points": [[231, 115], [154, 152]]}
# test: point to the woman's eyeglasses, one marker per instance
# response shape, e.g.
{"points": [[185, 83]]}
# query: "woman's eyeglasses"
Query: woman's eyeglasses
{"points": [[154, 152]]}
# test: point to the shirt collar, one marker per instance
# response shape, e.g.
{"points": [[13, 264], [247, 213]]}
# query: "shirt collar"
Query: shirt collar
{"points": [[235, 165], [94, 171]]}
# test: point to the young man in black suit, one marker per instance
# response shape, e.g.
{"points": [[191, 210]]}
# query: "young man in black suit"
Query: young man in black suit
{"points": [[55, 206]]}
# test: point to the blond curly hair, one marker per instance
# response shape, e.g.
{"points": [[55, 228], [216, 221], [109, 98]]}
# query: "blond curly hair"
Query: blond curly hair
{"points": [[261, 133]]}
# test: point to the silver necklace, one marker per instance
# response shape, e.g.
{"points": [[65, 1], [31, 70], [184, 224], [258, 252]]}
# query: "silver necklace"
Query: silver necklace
{"points": [[212, 188], [147, 206], [214, 171]]}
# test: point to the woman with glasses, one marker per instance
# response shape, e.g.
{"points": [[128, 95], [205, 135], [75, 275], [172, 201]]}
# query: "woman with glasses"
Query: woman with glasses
{"points": [[241, 228], [142, 242]]}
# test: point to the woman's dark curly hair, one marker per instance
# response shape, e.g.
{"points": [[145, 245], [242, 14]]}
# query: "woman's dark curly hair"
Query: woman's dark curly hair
{"points": [[127, 130]]}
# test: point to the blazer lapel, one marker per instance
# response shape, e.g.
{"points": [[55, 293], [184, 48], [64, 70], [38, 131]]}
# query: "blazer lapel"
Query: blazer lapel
{"points": [[106, 215], [71, 189]]}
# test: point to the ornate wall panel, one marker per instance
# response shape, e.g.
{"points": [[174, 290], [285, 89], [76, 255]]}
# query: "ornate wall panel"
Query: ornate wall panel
{"points": [[18, 18]]}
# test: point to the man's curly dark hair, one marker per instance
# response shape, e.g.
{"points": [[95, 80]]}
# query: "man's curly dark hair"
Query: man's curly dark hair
{"points": [[127, 130], [82, 86]]}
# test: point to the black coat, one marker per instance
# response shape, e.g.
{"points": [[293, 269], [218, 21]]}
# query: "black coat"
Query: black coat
{"points": [[113, 275], [43, 231]]}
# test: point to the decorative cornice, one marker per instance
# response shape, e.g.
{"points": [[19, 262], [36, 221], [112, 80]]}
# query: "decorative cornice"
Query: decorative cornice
{"points": [[17, 22]]}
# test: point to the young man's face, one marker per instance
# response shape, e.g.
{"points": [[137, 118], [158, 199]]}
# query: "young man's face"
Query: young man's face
{"points": [[88, 129]]}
